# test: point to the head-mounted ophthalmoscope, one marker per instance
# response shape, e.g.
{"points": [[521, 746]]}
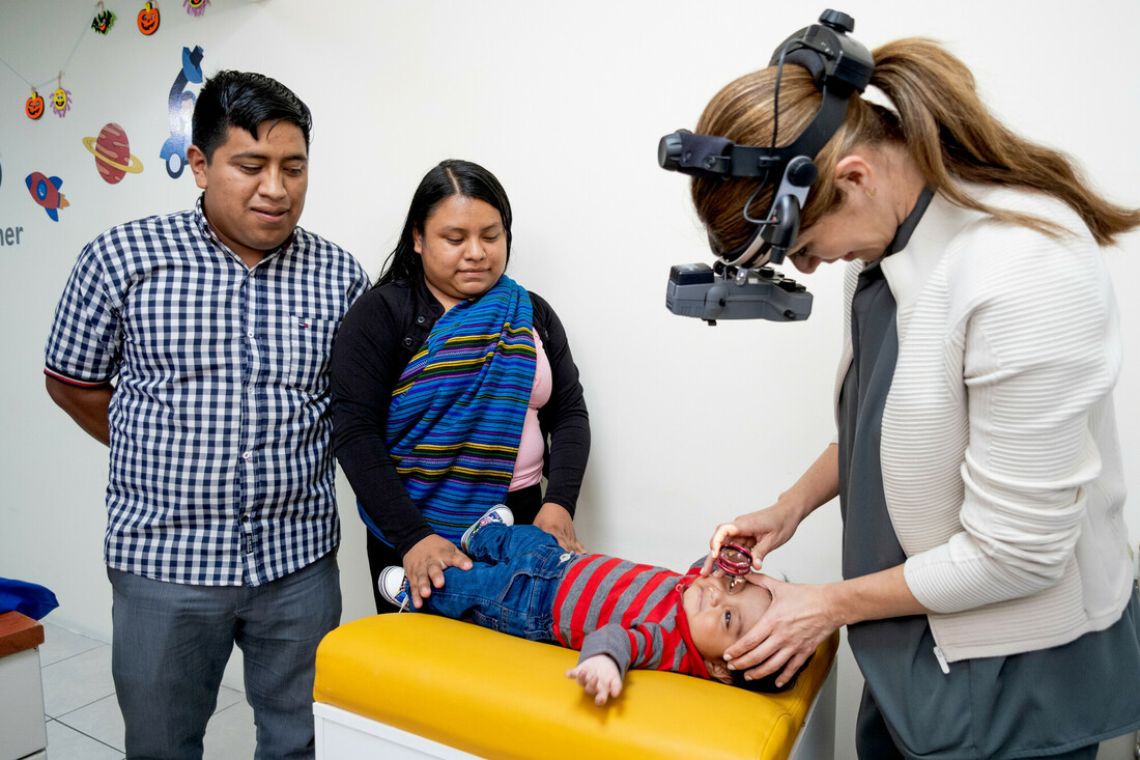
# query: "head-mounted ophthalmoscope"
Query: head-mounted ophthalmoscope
{"points": [[741, 285]]}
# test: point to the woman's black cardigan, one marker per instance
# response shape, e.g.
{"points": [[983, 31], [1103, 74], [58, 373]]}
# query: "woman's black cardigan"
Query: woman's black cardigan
{"points": [[379, 336]]}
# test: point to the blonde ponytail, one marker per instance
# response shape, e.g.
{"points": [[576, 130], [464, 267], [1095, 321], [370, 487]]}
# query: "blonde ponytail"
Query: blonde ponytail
{"points": [[951, 135], [939, 119]]}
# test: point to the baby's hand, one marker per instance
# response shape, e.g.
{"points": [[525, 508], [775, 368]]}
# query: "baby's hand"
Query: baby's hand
{"points": [[599, 677]]}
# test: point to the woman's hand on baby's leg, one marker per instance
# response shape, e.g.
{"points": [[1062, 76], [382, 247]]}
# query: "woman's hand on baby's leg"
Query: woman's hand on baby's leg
{"points": [[599, 677], [556, 520], [425, 562]]}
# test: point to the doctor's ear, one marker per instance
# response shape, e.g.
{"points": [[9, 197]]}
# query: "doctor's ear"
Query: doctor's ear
{"points": [[854, 174]]}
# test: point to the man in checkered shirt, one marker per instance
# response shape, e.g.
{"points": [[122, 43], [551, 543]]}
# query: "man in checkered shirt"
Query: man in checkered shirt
{"points": [[215, 325]]}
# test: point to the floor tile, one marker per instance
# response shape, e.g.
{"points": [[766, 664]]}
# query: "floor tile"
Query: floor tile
{"points": [[231, 734], [78, 681], [102, 720], [60, 643], [1120, 748], [65, 743], [228, 697]]}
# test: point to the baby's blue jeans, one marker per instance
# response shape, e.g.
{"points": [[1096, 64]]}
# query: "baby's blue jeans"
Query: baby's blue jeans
{"points": [[512, 585]]}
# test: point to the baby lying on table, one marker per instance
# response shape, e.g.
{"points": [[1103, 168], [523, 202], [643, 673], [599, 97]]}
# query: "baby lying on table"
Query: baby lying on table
{"points": [[619, 614]]}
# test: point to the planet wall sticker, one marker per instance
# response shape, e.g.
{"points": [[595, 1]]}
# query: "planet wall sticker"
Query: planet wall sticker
{"points": [[112, 151]]}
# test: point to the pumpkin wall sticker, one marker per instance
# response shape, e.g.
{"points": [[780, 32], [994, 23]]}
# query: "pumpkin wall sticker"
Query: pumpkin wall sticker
{"points": [[148, 19], [34, 106]]}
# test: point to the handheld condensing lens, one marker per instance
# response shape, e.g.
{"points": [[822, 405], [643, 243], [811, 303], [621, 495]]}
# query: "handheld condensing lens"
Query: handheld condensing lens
{"points": [[734, 560]]}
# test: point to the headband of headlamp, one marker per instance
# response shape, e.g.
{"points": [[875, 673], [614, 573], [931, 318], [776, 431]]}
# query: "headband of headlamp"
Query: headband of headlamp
{"points": [[839, 66]]}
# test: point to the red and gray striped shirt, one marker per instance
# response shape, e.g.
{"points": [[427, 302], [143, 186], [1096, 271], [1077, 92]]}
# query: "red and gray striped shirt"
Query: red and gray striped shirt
{"points": [[630, 612]]}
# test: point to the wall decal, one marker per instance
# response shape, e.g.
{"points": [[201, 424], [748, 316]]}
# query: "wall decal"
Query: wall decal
{"points": [[45, 192], [9, 236], [34, 106], [61, 101], [112, 151], [148, 19], [103, 20], [180, 108], [195, 7]]}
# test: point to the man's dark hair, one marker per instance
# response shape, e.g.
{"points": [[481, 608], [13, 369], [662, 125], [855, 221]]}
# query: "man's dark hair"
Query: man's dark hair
{"points": [[244, 100]]}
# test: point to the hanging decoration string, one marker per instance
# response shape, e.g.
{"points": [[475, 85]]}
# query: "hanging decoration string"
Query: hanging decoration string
{"points": [[63, 68], [61, 99]]}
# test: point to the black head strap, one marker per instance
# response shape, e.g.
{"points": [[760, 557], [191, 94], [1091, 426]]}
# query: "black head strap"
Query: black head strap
{"points": [[840, 67]]}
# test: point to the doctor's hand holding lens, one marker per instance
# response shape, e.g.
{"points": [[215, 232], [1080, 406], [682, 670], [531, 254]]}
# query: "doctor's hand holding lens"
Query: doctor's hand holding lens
{"points": [[987, 587]]}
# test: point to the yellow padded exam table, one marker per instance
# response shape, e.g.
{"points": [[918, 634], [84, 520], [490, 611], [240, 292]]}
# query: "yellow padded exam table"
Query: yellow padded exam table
{"points": [[416, 686]]}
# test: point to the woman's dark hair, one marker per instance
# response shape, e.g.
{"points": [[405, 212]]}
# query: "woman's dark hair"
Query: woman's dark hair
{"points": [[244, 99], [448, 178]]}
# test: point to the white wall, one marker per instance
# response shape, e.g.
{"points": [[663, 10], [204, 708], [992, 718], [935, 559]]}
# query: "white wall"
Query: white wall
{"points": [[692, 425]]}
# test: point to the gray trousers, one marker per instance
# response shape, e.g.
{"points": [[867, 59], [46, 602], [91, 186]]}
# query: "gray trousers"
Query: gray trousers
{"points": [[170, 647]]}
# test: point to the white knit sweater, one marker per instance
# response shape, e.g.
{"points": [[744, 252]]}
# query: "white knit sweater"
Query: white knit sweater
{"points": [[1001, 464]]}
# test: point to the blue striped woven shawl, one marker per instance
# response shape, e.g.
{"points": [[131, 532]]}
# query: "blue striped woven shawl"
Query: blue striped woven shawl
{"points": [[457, 412]]}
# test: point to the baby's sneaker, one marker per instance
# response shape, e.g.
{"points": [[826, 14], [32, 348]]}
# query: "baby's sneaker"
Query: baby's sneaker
{"points": [[393, 587], [500, 513]]}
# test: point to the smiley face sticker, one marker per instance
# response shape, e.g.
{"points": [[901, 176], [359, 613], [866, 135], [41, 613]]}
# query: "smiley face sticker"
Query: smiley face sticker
{"points": [[195, 7], [61, 101]]}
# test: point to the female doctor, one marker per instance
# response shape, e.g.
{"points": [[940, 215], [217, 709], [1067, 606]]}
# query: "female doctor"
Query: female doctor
{"points": [[987, 587]]}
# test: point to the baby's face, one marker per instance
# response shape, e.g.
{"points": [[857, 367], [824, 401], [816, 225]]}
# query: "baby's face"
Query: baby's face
{"points": [[716, 618]]}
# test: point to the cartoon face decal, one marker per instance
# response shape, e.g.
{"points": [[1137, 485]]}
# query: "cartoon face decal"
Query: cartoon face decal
{"points": [[61, 102], [195, 7], [34, 106], [148, 19], [103, 21]]}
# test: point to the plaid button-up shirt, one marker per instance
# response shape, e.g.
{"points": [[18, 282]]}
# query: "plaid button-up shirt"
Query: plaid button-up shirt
{"points": [[221, 472]]}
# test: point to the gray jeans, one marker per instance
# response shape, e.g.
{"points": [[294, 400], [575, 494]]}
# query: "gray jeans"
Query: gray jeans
{"points": [[170, 647]]}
